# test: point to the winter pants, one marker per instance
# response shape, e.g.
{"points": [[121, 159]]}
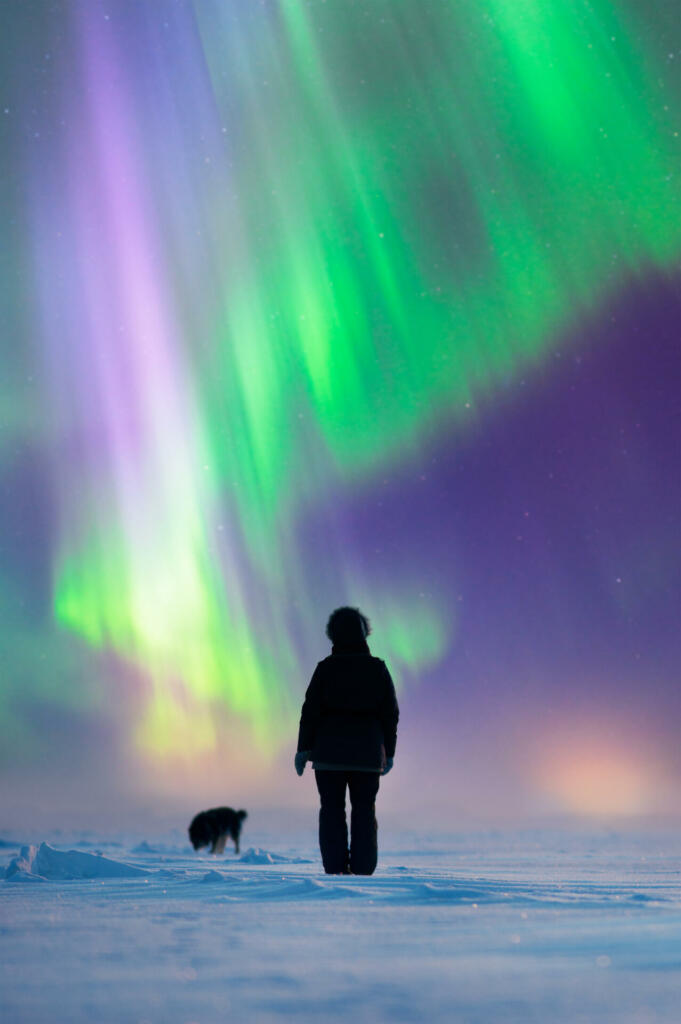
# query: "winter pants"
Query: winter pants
{"points": [[361, 858]]}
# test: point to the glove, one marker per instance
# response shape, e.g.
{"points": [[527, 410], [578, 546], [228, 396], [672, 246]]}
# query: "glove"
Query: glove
{"points": [[302, 757], [388, 765]]}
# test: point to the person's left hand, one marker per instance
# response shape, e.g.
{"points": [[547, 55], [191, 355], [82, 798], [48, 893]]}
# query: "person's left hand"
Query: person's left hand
{"points": [[301, 759], [388, 765]]}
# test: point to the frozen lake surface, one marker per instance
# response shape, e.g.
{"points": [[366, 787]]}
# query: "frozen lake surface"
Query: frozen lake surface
{"points": [[491, 927]]}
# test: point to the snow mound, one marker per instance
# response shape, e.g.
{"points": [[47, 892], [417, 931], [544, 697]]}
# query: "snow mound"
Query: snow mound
{"points": [[44, 862], [213, 876], [254, 855], [144, 847]]}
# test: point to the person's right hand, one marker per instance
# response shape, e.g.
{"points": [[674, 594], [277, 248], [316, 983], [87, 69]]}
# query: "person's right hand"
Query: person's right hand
{"points": [[301, 761], [388, 765]]}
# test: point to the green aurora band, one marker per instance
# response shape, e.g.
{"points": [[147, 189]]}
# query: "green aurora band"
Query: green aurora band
{"points": [[399, 206]]}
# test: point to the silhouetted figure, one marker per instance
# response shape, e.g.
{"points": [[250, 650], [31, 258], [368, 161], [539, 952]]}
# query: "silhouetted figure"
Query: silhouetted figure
{"points": [[348, 729]]}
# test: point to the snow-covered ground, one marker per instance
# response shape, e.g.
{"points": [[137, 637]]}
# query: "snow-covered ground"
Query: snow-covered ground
{"points": [[492, 927]]}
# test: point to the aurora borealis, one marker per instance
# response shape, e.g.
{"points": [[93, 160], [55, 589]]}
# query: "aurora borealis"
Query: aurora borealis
{"points": [[327, 302]]}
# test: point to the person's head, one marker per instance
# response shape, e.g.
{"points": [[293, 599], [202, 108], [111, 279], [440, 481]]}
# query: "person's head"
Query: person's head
{"points": [[347, 627]]}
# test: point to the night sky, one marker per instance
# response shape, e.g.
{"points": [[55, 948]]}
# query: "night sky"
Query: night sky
{"points": [[319, 303]]}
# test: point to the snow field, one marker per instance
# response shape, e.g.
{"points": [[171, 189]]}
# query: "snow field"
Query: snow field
{"points": [[482, 929]]}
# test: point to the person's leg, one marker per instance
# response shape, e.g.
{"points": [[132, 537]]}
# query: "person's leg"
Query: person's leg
{"points": [[333, 827], [364, 828]]}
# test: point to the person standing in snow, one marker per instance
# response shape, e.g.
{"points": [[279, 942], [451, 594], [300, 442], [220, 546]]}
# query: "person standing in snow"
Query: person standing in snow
{"points": [[348, 729]]}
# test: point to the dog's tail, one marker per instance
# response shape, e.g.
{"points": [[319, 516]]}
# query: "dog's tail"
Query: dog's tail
{"points": [[241, 814]]}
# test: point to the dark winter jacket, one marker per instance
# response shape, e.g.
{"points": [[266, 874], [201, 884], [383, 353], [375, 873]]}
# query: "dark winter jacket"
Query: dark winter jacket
{"points": [[349, 716]]}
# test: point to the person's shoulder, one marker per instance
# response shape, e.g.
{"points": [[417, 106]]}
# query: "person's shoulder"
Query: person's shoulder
{"points": [[320, 673], [381, 669], [378, 663]]}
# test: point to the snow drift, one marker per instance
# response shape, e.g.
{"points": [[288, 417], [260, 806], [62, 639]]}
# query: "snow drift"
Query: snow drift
{"points": [[254, 855], [44, 862]]}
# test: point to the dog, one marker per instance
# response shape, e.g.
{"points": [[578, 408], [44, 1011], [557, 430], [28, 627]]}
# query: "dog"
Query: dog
{"points": [[215, 827]]}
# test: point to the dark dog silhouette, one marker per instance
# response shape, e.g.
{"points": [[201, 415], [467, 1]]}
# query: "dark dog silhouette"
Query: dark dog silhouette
{"points": [[213, 828]]}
